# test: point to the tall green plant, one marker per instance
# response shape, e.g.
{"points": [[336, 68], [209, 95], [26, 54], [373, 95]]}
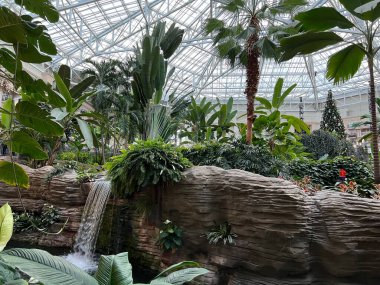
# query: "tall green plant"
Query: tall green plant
{"points": [[274, 128], [357, 22], [331, 119], [240, 37]]}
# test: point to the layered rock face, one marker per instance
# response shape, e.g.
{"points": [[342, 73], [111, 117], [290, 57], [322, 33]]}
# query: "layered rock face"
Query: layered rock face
{"points": [[60, 191], [284, 236]]}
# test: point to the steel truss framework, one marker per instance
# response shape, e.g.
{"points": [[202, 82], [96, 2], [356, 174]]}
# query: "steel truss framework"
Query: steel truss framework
{"points": [[101, 29]]}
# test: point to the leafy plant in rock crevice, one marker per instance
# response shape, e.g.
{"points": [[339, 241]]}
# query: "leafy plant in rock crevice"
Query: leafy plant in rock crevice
{"points": [[170, 236], [221, 233], [145, 163]]}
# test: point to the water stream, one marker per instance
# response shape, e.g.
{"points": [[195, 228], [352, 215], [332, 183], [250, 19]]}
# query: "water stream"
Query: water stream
{"points": [[85, 243]]}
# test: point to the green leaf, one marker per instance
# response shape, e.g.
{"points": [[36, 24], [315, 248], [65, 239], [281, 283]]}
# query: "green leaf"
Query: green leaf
{"points": [[264, 102], [307, 43], [344, 64], [55, 99], [183, 275], [46, 44], [29, 53], [62, 88], [178, 266], [268, 48], [114, 269], [354, 7], [233, 5], [46, 268], [6, 225], [323, 18], [23, 143], [82, 86], [277, 92], [285, 94], [11, 28], [213, 24], [6, 116], [42, 8], [8, 61], [64, 73], [86, 132], [30, 115], [13, 174]]}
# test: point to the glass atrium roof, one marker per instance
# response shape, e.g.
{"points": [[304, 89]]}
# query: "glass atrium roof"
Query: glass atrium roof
{"points": [[101, 29]]}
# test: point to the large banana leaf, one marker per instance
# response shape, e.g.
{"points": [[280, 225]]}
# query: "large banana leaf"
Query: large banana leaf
{"points": [[23, 143], [46, 268], [359, 8], [182, 276], [13, 174], [6, 225], [11, 28], [114, 269]]}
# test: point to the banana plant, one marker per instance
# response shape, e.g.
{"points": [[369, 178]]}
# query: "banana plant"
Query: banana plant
{"points": [[69, 115], [150, 78], [274, 128], [54, 270]]}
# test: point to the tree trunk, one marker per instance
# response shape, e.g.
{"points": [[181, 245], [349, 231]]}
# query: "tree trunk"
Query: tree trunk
{"points": [[375, 141], [54, 152], [253, 76], [103, 150]]}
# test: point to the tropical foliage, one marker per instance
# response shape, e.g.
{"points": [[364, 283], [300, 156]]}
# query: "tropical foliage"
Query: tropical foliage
{"points": [[236, 155], [322, 144], [145, 163], [275, 129], [208, 121], [240, 38], [318, 31], [221, 233], [170, 236]]}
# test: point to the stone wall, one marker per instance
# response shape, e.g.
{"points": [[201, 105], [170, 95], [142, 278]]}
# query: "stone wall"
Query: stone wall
{"points": [[62, 192], [284, 236]]}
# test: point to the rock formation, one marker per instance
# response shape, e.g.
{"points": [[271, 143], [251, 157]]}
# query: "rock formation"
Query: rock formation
{"points": [[284, 235]]}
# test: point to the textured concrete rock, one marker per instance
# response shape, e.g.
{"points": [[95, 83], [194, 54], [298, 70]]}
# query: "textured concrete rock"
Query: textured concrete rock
{"points": [[284, 236], [61, 191]]}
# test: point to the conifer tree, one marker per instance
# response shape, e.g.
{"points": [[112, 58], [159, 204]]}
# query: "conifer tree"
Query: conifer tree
{"points": [[331, 120]]}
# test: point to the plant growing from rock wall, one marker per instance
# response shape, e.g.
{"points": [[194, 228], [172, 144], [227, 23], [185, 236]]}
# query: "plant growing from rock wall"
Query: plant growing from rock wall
{"points": [[53, 270], [221, 233], [170, 236], [145, 163], [331, 119]]}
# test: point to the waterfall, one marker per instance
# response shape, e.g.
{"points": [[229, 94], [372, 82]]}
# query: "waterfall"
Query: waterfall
{"points": [[88, 232]]}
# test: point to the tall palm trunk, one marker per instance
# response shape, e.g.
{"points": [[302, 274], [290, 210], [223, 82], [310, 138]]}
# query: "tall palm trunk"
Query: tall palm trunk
{"points": [[253, 76], [375, 141]]}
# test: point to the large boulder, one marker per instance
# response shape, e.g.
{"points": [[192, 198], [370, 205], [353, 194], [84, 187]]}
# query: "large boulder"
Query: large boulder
{"points": [[284, 235]]}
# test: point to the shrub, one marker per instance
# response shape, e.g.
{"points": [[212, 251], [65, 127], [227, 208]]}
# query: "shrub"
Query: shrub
{"points": [[67, 155], [326, 172], [321, 143], [82, 156], [221, 233], [170, 236], [143, 164], [252, 158]]}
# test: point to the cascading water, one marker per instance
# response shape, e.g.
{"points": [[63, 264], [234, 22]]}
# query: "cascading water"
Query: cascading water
{"points": [[88, 232]]}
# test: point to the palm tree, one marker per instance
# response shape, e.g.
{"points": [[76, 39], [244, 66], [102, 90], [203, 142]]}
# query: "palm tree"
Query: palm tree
{"points": [[358, 26], [240, 37]]}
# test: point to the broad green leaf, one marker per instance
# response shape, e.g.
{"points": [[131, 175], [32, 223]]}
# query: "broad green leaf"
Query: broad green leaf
{"points": [[64, 73], [286, 94], [277, 92], [264, 102], [323, 18], [32, 116], [11, 28], [46, 44], [46, 268], [213, 24], [114, 269], [62, 88], [183, 275], [13, 174], [178, 266], [6, 116], [354, 7], [9, 275], [8, 61], [59, 114], [29, 53], [43, 8], [86, 132], [55, 99], [344, 64], [82, 86], [6, 225], [23, 143], [267, 48], [307, 43]]}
